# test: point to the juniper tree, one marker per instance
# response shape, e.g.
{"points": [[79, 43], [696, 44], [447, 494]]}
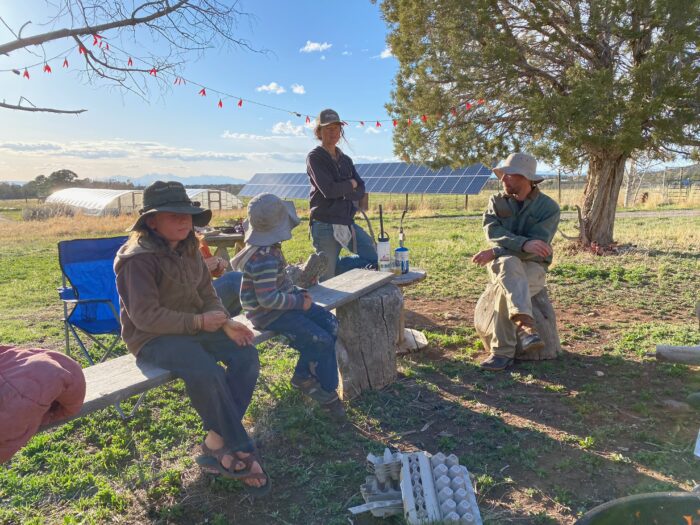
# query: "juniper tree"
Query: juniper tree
{"points": [[590, 82]]}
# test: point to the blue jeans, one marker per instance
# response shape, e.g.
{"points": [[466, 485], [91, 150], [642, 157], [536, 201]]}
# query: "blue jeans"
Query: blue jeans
{"points": [[228, 288], [313, 333], [219, 395], [323, 240]]}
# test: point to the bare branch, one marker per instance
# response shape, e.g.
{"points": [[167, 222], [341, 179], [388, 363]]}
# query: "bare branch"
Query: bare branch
{"points": [[36, 109]]}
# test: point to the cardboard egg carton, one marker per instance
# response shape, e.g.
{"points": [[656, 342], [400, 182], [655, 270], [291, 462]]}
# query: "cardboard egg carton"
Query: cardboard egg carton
{"points": [[425, 488], [437, 488]]}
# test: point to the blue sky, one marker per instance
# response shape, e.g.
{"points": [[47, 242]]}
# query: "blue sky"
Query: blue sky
{"points": [[334, 52]]}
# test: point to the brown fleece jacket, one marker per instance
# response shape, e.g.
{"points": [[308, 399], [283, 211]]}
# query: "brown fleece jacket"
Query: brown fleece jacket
{"points": [[161, 293]]}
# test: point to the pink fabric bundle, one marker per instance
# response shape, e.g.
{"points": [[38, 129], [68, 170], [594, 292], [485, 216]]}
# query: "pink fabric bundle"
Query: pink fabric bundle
{"points": [[37, 387]]}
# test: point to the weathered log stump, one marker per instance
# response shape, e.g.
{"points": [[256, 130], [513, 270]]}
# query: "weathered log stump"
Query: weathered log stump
{"points": [[367, 341], [545, 321]]}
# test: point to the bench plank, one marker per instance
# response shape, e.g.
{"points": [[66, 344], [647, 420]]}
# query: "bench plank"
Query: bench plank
{"points": [[121, 378]]}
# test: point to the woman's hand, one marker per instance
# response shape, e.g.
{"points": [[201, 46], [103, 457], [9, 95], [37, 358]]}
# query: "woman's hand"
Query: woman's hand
{"points": [[238, 333], [212, 321], [215, 265]]}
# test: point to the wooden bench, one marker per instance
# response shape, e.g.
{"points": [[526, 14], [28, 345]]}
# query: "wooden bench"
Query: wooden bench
{"points": [[120, 378]]}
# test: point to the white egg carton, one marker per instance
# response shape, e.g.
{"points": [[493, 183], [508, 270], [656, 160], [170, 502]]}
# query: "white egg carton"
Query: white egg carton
{"points": [[437, 488]]}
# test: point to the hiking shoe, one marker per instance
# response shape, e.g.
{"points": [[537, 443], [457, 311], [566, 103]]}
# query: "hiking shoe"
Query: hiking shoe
{"points": [[314, 266], [310, 387], [307, 274], [496, 363], [335, 408], [530, 342]]}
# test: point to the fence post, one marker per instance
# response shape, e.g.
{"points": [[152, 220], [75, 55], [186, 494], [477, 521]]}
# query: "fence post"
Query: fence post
{"points": [[559, 184]]}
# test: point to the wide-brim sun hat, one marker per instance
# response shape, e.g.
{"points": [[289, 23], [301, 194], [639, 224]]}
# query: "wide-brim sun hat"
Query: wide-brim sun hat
{"points": [[519, 164], [328, 116], [170, 197], [270, 220]]}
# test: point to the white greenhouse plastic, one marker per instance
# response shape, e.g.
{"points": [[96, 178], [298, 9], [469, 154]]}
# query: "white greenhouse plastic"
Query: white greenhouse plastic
{"points": [[92, 201], [214, 199]]}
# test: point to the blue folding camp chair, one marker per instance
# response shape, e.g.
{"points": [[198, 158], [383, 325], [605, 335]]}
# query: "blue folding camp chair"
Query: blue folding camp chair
{"points": [[89, 293], [90, 298]]}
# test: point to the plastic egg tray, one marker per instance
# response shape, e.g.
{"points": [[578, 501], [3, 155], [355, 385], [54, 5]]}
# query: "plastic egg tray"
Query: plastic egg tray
{"points": [[437, 488]]}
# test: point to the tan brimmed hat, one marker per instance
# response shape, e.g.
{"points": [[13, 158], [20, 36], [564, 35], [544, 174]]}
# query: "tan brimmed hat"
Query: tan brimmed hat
{"points": [[519, 164]]}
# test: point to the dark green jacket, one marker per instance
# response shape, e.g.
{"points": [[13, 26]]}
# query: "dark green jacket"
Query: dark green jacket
{"points": [[508, 225]]}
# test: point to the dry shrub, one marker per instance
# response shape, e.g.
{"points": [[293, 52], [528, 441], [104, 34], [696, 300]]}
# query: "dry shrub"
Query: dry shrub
{"points": [[46, 211]]}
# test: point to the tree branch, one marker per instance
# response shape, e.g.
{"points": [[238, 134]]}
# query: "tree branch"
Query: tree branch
{"points": [[87, 30], [45, 110]]}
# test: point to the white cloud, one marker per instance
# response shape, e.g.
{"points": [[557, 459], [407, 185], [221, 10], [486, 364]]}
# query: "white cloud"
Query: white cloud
{"points": [[298, 89], [346, 53], [249, 136], [373, 130], [323, 57], [272, 87], [288, 128], [312, 47], [386, 53]]}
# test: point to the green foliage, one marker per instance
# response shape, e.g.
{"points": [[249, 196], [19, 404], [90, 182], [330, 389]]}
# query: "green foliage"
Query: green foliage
{"points": [[559, 78]]}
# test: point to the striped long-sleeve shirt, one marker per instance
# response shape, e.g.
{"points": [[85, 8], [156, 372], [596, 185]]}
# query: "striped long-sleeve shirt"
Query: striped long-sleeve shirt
{"points": [[266, 290]]}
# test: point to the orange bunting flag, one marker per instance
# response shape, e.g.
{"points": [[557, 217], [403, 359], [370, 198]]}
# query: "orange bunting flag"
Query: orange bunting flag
{"points": [[362, 123], [153, 71], [107, 47], [308, 119], [100, 43], [129, 62], [220, 104], [480, 101], [65, 62], [82, 50], [454, 112], [47, 68], [26, 73], [96, 38], [240, 102], [395, 122], [379, 125], [467, 106], [424, 118], [203, 92]]}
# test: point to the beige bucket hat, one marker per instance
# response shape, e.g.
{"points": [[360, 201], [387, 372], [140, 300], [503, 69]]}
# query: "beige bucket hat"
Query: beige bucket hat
{"points": [[519, 164]]}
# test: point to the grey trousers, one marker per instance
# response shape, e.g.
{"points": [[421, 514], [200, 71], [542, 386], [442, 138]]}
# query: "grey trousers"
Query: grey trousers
{"points": [[220, 395], [516, 282]]}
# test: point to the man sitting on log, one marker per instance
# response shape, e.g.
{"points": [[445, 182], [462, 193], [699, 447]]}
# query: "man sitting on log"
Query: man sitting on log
{"points": [[520, 224]]}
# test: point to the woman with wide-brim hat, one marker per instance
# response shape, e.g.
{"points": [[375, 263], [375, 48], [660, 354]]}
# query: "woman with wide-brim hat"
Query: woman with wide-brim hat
{"points": [[172, 318], [336, 190]]}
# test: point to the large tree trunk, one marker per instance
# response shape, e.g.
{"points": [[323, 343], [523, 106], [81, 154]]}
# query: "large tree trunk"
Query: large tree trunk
{"points": [[605, 173]]}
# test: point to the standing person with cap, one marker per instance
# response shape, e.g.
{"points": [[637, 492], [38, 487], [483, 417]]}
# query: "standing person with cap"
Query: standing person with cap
{"points": [[520, 224], [172, 318], [336, 191]]}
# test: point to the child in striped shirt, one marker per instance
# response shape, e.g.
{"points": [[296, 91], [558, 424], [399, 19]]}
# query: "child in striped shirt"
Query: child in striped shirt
{"points": [[272, 302]]}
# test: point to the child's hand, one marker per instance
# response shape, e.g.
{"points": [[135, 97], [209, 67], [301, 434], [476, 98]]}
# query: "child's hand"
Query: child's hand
{"points": [[308, 301], [212, 321], [238, 333]]}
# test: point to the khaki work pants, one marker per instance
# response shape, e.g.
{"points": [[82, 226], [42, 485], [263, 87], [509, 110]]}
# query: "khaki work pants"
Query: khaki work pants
{"points": [[516, 282]]}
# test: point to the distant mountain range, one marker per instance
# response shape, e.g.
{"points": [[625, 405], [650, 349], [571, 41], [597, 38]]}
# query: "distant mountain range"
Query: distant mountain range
{"points": [[199, 180]]}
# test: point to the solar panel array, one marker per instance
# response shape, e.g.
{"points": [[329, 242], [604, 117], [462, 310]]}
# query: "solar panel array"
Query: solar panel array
{"points": [[387, 177]]}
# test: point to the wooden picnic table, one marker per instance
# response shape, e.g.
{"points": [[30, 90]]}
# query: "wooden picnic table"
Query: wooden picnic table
{"points": [[224, 241]]}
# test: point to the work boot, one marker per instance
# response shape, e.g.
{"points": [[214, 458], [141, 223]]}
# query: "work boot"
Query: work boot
{"points": [[530, 340], [496, 363], [307, 274]]}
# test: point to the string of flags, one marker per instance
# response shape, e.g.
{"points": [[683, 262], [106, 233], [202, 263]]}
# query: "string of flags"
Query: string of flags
{"points": [[101, 42]]}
